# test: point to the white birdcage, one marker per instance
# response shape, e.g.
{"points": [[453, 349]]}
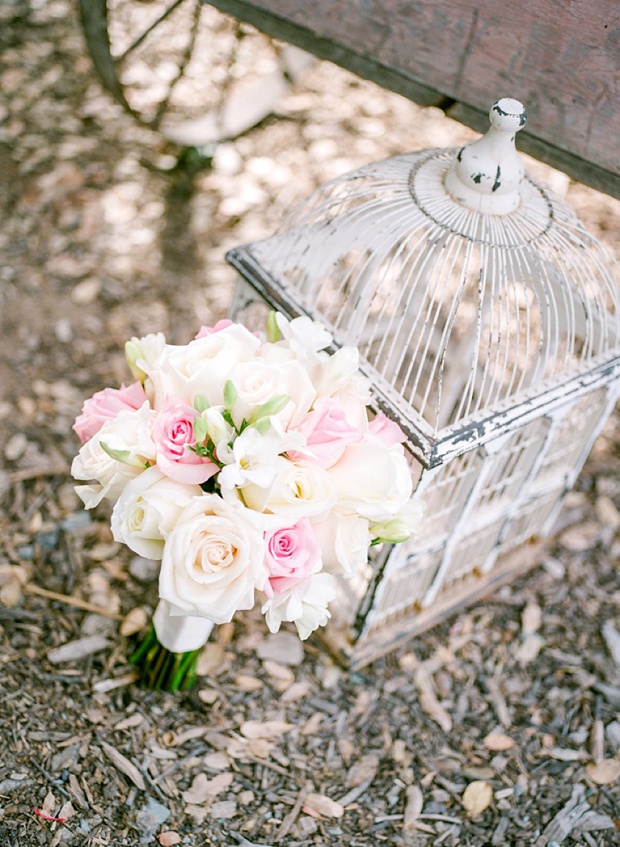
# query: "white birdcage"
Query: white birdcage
{"points": [[488, 321]]}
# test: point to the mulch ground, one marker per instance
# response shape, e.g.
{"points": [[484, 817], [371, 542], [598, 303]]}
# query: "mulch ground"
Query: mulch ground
{"points": [[499, 727]]}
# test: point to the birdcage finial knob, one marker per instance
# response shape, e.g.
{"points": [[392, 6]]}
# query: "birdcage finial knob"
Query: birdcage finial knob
{"points": [[487, 172]]}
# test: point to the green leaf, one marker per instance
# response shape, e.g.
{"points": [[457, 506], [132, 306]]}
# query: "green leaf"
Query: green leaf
{"points": [[271, 407], [230, 394], [200, 430], [123, 456], [132, 354], [201, 403], [272, 328], [263, 425]]}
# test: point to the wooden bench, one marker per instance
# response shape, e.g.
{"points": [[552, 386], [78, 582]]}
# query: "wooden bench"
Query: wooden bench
{"points": [[559, 57]]}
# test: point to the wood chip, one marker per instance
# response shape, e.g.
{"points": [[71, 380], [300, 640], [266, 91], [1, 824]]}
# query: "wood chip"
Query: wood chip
{"points": [[318, 805], [364, 770], [531, 618], [414, 803], [79, 649], [133, 622], [203, 789], [124, 765], [605, 772], [169, 838], [477, 797], [428, 699], [498, 741], [265, 729], [612, 640]]}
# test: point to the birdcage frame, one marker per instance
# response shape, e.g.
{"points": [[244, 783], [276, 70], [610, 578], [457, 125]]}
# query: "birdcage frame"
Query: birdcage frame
{"points": [[488, 325], [367, 622]]}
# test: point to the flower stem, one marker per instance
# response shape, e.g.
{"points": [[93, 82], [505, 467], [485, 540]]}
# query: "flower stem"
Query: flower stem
{"points": [[162, 670]]}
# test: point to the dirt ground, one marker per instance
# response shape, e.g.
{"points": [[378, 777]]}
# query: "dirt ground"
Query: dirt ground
{"points": [[500, 727]]}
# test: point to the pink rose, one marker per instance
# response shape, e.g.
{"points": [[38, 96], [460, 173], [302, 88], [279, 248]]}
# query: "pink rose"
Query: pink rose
{"points": [[293, 554], [327, 432], [204, 331], [388, 431], [173, 434], [104, 406]]}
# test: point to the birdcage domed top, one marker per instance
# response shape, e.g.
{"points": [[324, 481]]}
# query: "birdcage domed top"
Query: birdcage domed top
{"points": [[466, 285]]}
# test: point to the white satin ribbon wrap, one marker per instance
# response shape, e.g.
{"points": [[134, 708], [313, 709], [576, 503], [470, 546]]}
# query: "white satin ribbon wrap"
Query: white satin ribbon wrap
{"points": [[178, 632]]}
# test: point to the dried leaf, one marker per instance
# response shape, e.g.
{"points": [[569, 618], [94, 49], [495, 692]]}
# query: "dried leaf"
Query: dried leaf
{"points": [[604, 772], [612, 640], [529, 648], [363, 770], [203, 789], [124, 765], [498, 741], [133, 622], [319, 805], [224, 809], [169, 838], [413, 806], [265, 729], [477, 797], [211, 659], [531, 618], [429, 701]]}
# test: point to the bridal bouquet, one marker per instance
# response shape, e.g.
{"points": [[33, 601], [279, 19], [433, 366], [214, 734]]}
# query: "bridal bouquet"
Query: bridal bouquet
{"points": [[248, 465]]}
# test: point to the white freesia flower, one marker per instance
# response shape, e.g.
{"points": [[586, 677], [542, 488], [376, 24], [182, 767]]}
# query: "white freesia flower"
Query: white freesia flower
{"points": [[305, 605], [404, 523], [344, 542], [300, 490], [258, 381], [203, 366], [218, 429], [253, 459], [143, 353], [126, 436], [213, 560], [148, 509], [177, 632], [304, 336], [372, 480]]}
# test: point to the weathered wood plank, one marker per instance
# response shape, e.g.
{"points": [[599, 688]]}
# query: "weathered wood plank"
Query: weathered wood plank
{"points": [[560, 57]]}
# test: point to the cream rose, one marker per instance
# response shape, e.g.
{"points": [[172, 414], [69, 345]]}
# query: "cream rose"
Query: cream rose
{"points": [[344, 542], [213, 560], [129, 449], [258, 381], [300, 490], [203, 366], [372, 480], [147, 511]]}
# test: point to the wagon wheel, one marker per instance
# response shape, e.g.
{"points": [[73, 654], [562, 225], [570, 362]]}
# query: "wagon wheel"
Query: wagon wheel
{"points": [[186, 70]]}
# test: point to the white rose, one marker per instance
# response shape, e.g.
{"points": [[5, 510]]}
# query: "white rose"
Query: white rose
{"points": [[305, 605], [126, 436], [177, 632], [344, 541], [148, 509], [339, 374], [259, 381], [300, 490], [203, 366], [372, 480], [213, 560]]}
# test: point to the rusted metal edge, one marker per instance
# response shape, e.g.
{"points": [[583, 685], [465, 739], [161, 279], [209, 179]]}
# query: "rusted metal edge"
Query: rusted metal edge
{"points": [[366, 67]]}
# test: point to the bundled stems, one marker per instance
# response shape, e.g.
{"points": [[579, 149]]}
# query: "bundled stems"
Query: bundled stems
{"points": [[162, 670]]}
